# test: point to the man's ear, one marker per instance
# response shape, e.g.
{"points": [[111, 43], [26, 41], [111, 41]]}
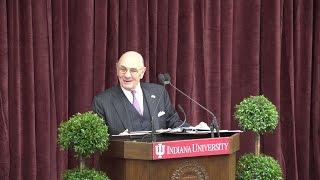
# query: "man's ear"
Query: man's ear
{"points": [[142, 72]]}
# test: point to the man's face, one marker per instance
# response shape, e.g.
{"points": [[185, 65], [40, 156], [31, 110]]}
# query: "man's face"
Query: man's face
{"points": [[130, 70]]}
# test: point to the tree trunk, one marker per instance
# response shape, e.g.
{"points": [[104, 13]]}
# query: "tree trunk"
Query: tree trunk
{"points": [[82, 162], [257, 144]]}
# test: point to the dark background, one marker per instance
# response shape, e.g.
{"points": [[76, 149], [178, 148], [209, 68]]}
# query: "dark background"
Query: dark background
{"points": [[55, 55]]}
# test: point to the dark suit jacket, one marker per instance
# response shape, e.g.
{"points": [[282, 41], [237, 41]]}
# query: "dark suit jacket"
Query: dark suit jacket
{"points": [[110, 105]]}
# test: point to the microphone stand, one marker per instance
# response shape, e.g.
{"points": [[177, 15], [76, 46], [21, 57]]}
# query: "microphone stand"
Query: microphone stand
{"points": [[184, 114], [153, 131], [214, 124]]}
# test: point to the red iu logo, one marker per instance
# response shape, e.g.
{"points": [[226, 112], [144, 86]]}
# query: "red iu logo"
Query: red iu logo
{"points": [[160, 150]]}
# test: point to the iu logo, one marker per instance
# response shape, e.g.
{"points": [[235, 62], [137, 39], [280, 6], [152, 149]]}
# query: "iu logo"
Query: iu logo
{"points": [[160, 150]]}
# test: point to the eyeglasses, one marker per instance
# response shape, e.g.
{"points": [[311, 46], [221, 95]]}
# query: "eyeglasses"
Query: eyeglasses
{"points": [[133, 71]]}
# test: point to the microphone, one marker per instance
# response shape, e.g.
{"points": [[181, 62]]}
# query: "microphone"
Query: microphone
{"points": [[214, 124], [164, 79], [167, 77]]}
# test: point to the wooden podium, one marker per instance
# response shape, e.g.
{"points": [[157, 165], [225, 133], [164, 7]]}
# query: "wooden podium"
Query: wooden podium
{"points": [[173, 156]]}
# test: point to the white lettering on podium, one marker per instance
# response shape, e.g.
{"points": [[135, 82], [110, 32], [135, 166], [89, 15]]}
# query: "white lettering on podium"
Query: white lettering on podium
{"points": [[197, 148], [209, 147], [178, 149]]}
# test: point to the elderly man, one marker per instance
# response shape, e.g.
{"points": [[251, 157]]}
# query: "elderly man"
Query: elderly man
{"points": [[132, 104]]}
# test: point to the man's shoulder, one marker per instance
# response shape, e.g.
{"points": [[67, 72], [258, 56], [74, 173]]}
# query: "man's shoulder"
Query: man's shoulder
{"points": [[151, 86], [108, 92]]}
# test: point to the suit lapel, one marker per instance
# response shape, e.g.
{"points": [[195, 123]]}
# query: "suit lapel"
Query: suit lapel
{"points": [[151, 100], [121, 108]]}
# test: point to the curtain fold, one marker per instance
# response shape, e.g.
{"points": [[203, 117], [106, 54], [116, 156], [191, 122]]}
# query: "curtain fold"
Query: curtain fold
{"points": [[4, 122], [315, 95], [59, 34], [56, 55], [245, 58], [270, 67]]}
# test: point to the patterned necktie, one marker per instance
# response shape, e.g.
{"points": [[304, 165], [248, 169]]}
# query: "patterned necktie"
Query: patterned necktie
{"points": [[135, 102]]}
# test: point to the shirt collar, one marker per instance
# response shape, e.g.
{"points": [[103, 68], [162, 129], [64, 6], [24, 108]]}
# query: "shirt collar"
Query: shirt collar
{"points": [[128, 93]]}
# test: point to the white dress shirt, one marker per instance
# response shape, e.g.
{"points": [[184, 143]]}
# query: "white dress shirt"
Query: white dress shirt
{"points": [[139, 95]]}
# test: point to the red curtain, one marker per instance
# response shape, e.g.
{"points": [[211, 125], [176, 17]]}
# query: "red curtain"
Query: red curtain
{"points": [[56, 55]]}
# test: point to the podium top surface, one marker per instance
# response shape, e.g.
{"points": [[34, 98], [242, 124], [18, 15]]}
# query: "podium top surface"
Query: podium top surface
{"points": [[145, 136]]}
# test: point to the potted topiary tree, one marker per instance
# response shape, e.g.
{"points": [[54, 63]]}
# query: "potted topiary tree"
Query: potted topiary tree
{"points": [[85, 133], [259, 115]]}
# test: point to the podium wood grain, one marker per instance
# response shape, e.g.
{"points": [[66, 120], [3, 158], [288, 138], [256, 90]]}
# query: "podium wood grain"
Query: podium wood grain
{"points": [[133, 160]]}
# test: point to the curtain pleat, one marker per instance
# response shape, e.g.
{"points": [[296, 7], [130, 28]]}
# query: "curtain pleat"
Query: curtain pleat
{"points": [[270, 63], [315, 95], [4, 121], [226, 36]]}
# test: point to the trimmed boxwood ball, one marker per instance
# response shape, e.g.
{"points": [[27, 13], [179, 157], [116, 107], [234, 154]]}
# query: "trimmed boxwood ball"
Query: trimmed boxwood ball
{"points": [[77, 174], [258, 167], [85, 133], [257, 114]]}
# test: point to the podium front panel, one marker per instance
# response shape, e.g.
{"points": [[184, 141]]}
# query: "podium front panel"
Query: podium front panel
{"points": [[134, 160]]}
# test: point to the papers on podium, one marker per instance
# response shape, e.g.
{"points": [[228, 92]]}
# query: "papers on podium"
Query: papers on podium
{"points": [[181, 130]]}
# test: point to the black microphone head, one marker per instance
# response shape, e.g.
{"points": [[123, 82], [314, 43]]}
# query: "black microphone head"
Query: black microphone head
{"points": [[161, 78], [167, 77]]}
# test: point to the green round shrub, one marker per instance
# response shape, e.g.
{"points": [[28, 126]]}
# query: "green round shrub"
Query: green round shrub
{"points": [[257, 114], [257, 167], [85, 174], [85, 133]]}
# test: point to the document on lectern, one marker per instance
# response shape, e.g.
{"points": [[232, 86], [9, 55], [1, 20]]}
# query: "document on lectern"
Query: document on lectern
{"points": [[182, 130], [139, 133]]}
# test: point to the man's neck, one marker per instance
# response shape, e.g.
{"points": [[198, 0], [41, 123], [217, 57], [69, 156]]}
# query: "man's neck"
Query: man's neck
{"points": [[137, 89]]}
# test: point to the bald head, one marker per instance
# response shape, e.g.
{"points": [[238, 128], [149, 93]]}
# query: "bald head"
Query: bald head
{"points": [[130, 70], [131, 58]]}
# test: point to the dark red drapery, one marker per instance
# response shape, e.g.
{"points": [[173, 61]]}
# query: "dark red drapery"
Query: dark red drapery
{"points": [[55, 55]]}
